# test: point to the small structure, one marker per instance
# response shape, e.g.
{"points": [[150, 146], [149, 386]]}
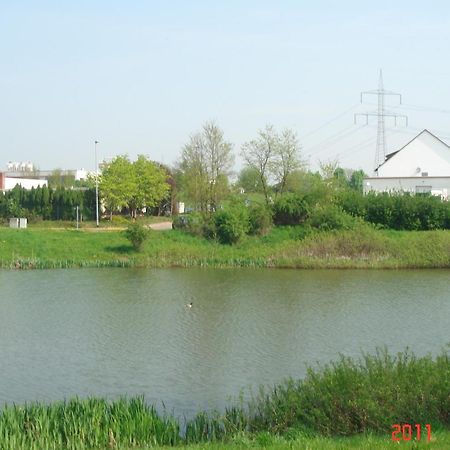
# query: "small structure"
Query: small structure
{"points": [[16, 222], [422, 166]]}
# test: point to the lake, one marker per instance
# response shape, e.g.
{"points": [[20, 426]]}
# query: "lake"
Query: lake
{"points": [[111, 332]]}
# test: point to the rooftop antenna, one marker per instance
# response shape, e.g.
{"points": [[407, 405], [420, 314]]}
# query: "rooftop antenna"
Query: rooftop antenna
{"points": [[381, 113]]}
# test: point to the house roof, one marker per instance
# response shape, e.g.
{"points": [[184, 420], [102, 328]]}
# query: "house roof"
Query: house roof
{"points": [[390, 155]]}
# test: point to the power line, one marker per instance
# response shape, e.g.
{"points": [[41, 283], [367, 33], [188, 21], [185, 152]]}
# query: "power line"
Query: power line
{"points": [[328, 122], [336, 137]]}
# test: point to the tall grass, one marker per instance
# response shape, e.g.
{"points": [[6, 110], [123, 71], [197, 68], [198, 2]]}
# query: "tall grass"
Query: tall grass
{"points": [[357, 396], [86, 424], [348, 397], [294, 247]]}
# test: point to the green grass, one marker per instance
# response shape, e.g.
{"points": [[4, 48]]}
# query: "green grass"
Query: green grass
{"points": [[347, 404], [363, 247]]}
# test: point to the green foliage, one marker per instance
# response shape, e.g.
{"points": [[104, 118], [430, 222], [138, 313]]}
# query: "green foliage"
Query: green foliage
{"points": [[399, 211], [196, 224], [343, 398], [137, 235], [331, 217], [206, 161], [356, 180], [86, 424], [310, 186], [134, 185], [231, 223], [249, 179], [290, 209], [355, 396], [260, 219], [44, 203]]}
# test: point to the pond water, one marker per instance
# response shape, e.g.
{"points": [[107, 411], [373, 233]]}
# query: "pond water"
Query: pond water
{"points": [[111, 332]]}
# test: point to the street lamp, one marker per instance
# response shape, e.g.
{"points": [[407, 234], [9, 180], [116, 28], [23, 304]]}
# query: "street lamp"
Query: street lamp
{"points": [[96, 183]]}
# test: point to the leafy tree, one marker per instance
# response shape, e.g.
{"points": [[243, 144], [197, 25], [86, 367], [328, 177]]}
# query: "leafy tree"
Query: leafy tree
{"points": [[287, 158], [133, 185], [274, 156], [356, 180], [206, 161], [259, 153], [117, 183], [290, 209], [150, 185], [249, 180]]}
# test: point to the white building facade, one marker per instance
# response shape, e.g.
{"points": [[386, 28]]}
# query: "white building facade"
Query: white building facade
{"points": [[421, 166]]}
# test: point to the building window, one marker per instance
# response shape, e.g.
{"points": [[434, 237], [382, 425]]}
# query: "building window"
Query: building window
{"points": [[423, 189]]}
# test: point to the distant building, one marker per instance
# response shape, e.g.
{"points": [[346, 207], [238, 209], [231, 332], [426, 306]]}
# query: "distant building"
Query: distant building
{"points": [[28, 176], [420, 166], [7, 182]]}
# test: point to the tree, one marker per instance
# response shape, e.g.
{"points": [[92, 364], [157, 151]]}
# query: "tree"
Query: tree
{"points": [[117, 183], [134, 185], [206, 161], [259, 152], [249, 180], [287, 158], [274, 156], [356, 180], [149, 186]]}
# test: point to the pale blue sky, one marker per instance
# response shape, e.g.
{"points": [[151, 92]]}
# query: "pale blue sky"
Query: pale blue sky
{"points": [[142, 76]]}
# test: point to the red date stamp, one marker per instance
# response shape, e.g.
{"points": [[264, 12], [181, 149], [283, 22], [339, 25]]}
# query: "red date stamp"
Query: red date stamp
{"points": [[408, 432]]}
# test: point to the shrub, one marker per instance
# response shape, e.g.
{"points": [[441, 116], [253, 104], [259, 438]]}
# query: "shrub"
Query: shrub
{"points": [[352, 202], [137, 235], [195, 223], [260, 220], [231, 224], [290, 209], [356, 396], [331, 217], [120, 220]]}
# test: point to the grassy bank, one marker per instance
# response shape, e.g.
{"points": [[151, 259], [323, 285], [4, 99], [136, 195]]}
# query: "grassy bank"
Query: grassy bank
{"points": [[348, 404], [363, 247]]}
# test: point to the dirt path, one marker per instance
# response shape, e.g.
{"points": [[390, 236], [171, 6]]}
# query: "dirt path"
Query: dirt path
{"points": [[161, 226]]}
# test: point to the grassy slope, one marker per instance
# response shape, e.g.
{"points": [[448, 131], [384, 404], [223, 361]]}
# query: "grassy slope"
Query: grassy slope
{"points": [[361, 248], [440, 440]]}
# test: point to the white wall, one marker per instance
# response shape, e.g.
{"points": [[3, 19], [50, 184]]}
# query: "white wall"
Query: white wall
{"points": [[425, 153], [439, 185], [26, 183]]}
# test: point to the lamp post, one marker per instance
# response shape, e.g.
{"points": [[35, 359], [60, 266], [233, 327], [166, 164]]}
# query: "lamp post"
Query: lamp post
{"points": [[96, 183]]}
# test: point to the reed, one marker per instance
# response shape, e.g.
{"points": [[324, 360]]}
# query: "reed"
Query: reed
{"points": [[361, 398]]}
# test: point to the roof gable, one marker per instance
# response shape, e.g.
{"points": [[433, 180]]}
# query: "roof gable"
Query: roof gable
{"points": [[424, 153]]}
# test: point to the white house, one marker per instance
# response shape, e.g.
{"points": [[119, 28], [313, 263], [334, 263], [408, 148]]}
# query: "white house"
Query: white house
{"points": [[8, 183], [420, 166]]}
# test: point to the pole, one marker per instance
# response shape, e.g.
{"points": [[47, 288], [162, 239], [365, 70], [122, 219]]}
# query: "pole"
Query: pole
{"points": [[96, 184], [77, 216]]}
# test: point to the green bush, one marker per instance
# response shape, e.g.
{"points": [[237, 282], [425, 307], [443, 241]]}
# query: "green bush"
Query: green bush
{"points": [[357, 396], [260, 220], [331, 217], [196, 224], [290, 209], [137, 235], [231, 223], [120, 220], [400, 211]]}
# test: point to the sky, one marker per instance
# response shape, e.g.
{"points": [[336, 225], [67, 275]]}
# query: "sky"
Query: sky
{"points": [[142, 76]]}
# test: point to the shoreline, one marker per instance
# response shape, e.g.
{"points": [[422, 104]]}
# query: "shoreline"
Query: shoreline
{"points": [[364, 248]]}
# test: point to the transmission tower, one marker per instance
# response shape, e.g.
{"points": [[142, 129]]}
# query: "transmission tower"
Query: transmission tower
{"points": [[381, 113]]}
